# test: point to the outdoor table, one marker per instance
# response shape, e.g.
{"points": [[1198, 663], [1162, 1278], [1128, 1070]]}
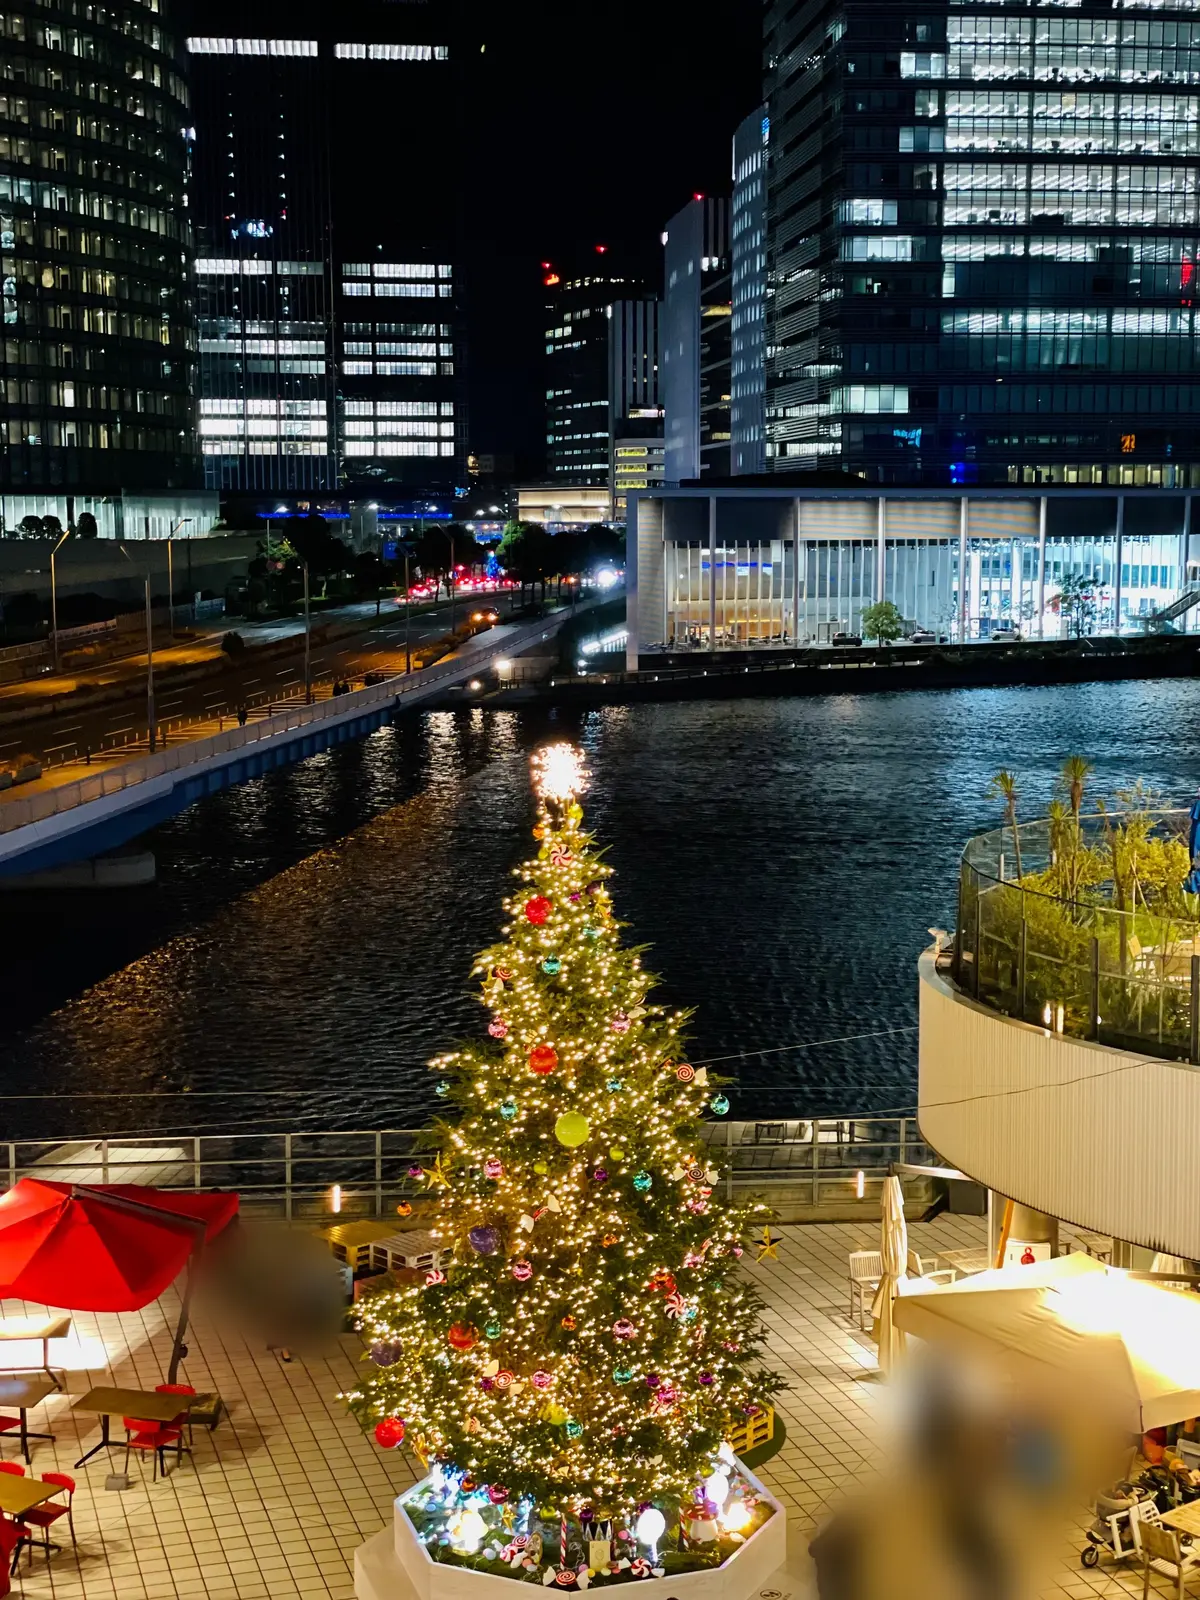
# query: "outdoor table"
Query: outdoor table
{"points": [[966, 1262], [14, 1330], [140, 1403], [1184, 1518], [1099, 1245], [21, 1393], [19, 1495]]}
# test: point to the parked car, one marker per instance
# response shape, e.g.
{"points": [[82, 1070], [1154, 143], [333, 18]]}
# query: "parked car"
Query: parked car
{"points": [[1004, 636], [922, 636], [846, 638]]}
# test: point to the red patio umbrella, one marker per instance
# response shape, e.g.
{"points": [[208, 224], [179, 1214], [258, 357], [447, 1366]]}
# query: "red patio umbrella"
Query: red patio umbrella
{"points": [[104, 1247]]}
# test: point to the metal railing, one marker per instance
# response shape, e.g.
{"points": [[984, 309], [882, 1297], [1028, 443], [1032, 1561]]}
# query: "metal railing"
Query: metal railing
{"points": [[360, 1173], [1076, 962], [393, 691]]}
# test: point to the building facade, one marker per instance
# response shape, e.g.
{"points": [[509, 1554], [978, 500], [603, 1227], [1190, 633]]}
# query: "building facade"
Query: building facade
{"points": [[578, 366], [982, 227], [331, 337], [727, 568], [635, 414], [748, 295], [696, 317], [99, 326]]}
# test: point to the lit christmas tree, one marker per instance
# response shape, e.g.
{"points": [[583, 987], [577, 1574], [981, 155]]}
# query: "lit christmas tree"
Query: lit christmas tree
{"points": [[590, 1342]]}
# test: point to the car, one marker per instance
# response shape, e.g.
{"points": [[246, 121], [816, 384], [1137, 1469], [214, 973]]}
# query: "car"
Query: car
{"points": [[846, 638], [1004, 636], [922, 636]]}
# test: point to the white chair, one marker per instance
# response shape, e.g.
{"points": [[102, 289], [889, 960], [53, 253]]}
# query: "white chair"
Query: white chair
{"points": [[923, 1267], [1162, 1553], [866, 1269]]}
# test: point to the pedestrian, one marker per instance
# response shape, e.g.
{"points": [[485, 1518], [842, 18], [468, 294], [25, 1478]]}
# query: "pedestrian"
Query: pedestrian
{"points": [[242, 714]]}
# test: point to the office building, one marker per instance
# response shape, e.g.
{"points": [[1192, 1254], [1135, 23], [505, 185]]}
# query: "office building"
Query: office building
{"points": [[982, 229], [635, 415], [731, 566], [331, 336], [562, 506], [697, 310], [748, 295], [578, 366], [99, 329]]}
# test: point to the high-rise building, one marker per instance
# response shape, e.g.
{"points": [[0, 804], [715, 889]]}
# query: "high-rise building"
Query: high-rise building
{"points": [[748, 294], [99, 329], [331, 335], [635, 414], [695, 376], [578, 366], [982, 241]]}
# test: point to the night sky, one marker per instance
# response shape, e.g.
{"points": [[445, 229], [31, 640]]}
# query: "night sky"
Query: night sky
{"points": [[584, 123]]}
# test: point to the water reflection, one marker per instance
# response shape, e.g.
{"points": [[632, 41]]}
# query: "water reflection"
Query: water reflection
{"points": [[310, 941]]}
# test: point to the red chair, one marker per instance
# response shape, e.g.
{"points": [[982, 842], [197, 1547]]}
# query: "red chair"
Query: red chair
{"points": [[15, 1467], [10, 1549], [145, 1437], [10, 1424], [46, 1515], [184, 1417], [17, 1523]]}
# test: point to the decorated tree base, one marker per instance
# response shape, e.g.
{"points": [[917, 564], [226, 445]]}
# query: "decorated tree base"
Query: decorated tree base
{"points": [[400, 1563]]}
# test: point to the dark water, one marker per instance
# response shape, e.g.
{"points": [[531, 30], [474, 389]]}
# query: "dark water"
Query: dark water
{"points": [[309, 942]]}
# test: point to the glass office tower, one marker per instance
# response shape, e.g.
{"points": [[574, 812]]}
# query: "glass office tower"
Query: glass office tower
{"points": [[99, 334], [983, 233]]}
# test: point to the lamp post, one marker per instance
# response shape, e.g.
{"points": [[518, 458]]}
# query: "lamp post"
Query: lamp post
{"points": [[407, 617], [54, 598], [171, 575], [151, 724], [307, 638]]}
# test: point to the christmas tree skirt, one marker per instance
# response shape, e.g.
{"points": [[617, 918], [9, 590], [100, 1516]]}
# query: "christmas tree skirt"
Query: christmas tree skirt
{"points": [[395, 1565]]}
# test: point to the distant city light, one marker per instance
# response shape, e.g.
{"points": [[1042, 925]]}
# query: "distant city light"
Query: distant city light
{"points": [[606, 578]]}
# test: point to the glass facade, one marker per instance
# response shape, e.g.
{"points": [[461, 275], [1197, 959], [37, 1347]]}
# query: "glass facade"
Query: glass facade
{"points": [[983, 269], [734, 570], [696, 349], [99, 332], [748, 281], [579, 369]]}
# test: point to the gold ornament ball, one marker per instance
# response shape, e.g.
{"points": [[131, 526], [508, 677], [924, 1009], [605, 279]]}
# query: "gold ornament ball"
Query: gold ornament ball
{"points": [[541, 1168], [572, 1128]]}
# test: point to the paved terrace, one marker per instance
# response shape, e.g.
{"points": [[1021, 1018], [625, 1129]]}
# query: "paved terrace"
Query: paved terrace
{"points": [[274, 1502]]}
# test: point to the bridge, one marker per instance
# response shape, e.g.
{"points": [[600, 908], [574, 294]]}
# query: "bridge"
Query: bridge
{"points": [[96, 811]]}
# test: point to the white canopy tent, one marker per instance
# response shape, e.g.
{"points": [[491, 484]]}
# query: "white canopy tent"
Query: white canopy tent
{"points": [[1132, 1346]]}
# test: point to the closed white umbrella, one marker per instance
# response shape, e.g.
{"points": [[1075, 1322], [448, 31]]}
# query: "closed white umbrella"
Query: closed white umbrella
{"points": [[893, 1247]]}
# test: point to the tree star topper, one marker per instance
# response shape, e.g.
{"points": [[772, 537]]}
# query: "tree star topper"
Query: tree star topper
{"points": [[559, 772]]}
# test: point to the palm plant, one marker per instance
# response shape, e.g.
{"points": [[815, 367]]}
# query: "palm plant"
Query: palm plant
{"points": [[1004, 787]]}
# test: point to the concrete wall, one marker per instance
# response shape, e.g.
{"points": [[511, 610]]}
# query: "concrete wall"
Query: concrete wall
{"points": [[1098, 1137]]}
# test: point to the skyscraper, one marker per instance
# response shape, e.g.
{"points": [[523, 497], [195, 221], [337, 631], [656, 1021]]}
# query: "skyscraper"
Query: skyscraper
{"points": [[635, 414], [578, 366], [748, 294], [99, 330], [982, 241], [696, 341], [326, 199]]}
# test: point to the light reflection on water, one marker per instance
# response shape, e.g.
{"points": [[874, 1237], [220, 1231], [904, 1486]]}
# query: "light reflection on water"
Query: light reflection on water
{"points": [[313, 930]]}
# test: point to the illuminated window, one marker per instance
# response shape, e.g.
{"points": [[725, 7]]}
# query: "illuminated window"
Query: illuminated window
{"points": [[391, 52], [207, 46]]}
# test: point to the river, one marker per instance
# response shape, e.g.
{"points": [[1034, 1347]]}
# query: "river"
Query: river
{"points": [[309, 942]]}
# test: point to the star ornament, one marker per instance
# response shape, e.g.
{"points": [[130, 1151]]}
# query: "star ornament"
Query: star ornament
{"points": [[768, 1246]]}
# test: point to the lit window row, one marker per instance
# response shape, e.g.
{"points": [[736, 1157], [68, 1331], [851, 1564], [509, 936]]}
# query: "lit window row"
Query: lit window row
{"points": [[263, 347], [399, 408], [262, 408], [233, 267], [396, 269], [396, 447], [420, 291], [261, 427], [408, 429], [396, 369], [391, 52], [265, 447], [870, 398], [208, 46]]}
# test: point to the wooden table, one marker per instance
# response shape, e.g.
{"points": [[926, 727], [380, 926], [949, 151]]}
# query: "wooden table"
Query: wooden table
{"points": [[14, 1330], [20, 1393], [1184, 1518], [966, 1262], [18, 1495], [147, 1403]]}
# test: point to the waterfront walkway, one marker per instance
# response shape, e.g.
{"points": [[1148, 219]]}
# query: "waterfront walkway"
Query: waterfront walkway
{"points": [[275, 1501]]}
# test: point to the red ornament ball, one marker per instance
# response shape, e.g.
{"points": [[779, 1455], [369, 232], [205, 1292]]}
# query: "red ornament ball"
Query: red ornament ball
{"points": [[389, 1433], [462, 1336], [537, 909], [543, 1058]]}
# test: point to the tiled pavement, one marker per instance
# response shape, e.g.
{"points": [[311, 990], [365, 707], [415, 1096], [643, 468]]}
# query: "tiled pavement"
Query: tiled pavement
{"points": [[275, 1501]]}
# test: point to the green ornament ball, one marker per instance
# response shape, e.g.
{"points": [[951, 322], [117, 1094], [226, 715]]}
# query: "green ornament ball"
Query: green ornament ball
{"points": [[442, 1089], [552, 965], [508, 1110], [571, 1129], [574, 1429], [642, 1181], [622, 1375], [592, 933], [719, 1105], [492, 1330], [616, 1153], [615, 1085]]}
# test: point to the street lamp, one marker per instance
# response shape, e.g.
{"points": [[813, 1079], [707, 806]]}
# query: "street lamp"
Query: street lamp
{"points": [[54, 598], [171, 575], [151, 725], [307, 639]]}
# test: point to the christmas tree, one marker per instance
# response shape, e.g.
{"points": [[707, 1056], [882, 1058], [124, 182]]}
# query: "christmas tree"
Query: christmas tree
{"points": [[590, 1341]]}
